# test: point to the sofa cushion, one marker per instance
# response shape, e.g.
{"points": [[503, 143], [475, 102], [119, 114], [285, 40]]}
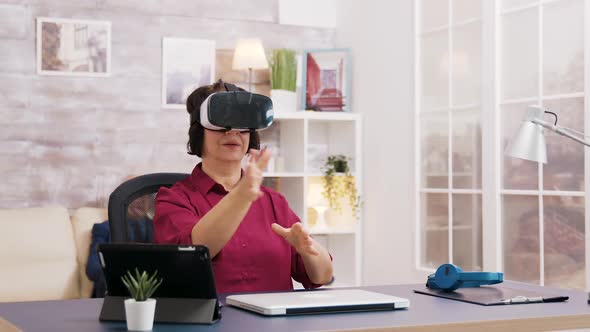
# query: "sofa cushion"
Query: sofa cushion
{"points": [[37, 255], [82, 221]]}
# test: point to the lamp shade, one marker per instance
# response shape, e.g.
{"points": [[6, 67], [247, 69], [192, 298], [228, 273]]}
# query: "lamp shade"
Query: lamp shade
{"points": [[249, 54], [529, 141]]}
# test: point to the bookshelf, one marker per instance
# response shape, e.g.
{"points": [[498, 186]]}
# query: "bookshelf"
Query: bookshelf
{"points": [[301, 142]]}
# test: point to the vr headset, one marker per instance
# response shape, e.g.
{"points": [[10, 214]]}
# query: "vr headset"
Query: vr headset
{"points": [[449, 277], [234, 110]]}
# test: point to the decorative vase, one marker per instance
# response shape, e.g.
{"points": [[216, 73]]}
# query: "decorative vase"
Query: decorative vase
{"points": [[283, 101], [140, 314]]}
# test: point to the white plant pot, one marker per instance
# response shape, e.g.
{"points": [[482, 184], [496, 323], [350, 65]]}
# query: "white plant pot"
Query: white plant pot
{"points": [[140, 315], [283, 101]]}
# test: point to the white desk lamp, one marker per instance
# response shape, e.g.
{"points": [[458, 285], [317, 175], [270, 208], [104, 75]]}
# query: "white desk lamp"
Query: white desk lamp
{"points": [[529, 141], [249, 54]]}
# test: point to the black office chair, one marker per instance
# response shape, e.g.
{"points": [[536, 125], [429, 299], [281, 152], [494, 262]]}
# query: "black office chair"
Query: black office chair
{"points": [[131, 206]]}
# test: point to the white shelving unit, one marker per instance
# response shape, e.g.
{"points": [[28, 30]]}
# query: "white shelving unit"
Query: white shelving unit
{"points": [[301, 142]]}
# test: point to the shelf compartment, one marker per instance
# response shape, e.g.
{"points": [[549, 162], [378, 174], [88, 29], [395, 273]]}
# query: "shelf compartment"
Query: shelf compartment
{"points": [[330, 138]]}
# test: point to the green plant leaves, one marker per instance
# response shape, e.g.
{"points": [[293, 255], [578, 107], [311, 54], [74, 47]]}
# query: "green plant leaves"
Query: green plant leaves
{"points": [[336, 187], [141, 286], [283, 70]]}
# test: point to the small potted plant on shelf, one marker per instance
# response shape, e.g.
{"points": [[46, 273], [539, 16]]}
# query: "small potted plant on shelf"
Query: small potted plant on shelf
{"points": [[283, 79], [338, 183], [140, 309]]}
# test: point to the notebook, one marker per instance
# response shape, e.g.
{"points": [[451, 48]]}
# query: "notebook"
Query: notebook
{"points": [[316, 302]]}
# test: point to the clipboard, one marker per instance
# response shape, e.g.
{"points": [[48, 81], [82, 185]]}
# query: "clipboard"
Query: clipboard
{"points": [[493, 295]]}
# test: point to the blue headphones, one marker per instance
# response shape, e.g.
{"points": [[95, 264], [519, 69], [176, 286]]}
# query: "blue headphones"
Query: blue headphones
{"points": [[449, 277]]}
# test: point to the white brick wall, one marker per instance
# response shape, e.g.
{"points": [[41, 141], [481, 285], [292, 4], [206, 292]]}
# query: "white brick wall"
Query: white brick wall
{"points": [[72, 140]]}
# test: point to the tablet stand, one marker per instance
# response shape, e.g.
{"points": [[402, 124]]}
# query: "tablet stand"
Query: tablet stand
{"points": [[168, 310]]}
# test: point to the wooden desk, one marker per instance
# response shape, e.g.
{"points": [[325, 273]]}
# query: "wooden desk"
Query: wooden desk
{"points": [[426, 313]]}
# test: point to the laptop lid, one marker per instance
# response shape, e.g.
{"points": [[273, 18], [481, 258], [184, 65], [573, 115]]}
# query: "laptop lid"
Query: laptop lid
{"points": [[186, 270], [316, 301]]}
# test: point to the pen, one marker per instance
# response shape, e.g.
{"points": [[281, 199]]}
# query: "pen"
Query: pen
{"points": [[537, 299], [556, 299]]}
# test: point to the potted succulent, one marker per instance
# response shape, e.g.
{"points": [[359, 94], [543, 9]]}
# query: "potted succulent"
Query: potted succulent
{"points": [[338, 183], [283, 80], [140, 309]]}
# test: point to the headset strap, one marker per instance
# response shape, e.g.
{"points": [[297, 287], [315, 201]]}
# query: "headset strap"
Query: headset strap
{"points": [[195, 116], [230, 87], [472, 284], [482, 278]]}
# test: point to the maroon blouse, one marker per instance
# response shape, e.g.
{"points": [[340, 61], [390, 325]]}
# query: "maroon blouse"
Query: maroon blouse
{"points": [[255, 258]]}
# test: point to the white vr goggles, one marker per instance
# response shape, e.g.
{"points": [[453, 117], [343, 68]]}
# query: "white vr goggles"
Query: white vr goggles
{"points": [[235, 110]]}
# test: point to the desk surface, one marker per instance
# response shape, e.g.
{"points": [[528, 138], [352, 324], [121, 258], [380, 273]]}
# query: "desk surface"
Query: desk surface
{"points": [[425, 313]]}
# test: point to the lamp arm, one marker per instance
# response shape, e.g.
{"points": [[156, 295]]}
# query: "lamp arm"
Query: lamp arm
{"points": [[561, 131], [575, 132]]}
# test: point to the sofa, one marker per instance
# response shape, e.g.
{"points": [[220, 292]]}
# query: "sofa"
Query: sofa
{"points": [[43, 253]]}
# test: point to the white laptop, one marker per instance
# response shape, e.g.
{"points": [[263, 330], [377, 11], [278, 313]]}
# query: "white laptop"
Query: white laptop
{"points": [[316, 301]]}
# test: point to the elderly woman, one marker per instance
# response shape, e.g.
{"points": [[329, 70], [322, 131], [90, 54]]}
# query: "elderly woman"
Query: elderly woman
{"points": [[256, 240]]}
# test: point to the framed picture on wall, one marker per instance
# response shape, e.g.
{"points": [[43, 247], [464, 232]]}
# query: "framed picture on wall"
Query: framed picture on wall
{"points": [[186, 65], [73, 47], [326, 80]]}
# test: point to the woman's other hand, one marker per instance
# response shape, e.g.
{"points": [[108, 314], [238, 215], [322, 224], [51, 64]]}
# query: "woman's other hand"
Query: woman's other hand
{"points": [[298, 237]]}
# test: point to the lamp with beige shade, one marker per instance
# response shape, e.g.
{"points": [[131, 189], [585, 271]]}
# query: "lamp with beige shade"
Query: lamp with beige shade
{"points": [[249, 54]]}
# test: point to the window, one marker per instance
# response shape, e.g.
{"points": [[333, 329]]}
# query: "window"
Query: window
{"points": [[539, 60], [449, 124], [542, 63], [80, 36]]}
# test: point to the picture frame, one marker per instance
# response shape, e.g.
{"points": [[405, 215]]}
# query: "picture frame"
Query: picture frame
{"points": [[186, 64], [326, 80], [72, 47]]}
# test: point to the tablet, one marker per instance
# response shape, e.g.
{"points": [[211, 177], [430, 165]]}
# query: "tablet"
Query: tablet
{"points": [[186, 270]]}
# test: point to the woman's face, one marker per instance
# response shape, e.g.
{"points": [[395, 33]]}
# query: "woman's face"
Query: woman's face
{"points": [[226, 146]]}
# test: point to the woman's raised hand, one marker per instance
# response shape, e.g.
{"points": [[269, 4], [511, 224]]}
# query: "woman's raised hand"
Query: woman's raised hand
{"points": [[249, 185]]}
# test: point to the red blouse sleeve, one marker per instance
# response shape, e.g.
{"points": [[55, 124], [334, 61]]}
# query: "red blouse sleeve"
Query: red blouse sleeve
{"points": [[174, 219]]}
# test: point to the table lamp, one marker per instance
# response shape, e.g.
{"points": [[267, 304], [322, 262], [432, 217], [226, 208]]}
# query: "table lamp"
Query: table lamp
{"points": [[317, 201], [529, 141], [249, 54]]}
